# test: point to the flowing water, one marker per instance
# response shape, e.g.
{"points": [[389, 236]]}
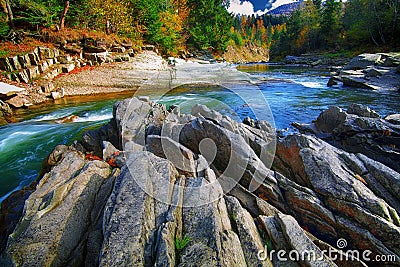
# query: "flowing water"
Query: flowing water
{"points": [[292, 94]]}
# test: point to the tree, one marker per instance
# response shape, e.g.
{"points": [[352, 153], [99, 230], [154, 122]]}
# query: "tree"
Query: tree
{"points": [[9, 14], [331, 21], [209, 24], [64, 14]]}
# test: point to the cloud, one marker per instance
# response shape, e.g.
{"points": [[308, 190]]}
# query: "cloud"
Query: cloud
{"points": [[243, 8], [247, 8]]}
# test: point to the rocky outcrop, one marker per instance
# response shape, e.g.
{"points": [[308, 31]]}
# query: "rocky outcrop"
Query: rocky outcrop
{"points": [[360, 130], [370, 71], [316, 60], [159, 188]]}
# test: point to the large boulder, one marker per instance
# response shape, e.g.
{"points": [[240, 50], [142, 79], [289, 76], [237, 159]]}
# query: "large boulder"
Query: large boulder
{"points": [[360, 130], [60, 214], [362, 61], [362, 111]]}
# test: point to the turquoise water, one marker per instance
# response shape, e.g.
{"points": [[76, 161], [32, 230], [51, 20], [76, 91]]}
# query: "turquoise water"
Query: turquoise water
{"points": [[279, 95]]}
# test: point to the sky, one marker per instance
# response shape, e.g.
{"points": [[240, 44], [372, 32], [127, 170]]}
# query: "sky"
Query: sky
{"points": [[257, 7]]}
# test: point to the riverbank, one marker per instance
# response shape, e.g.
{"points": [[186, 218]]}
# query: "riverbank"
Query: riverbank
{"points": [[145, 70]]}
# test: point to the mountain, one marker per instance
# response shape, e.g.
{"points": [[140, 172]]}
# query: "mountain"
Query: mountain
{"points": [[285, 9]]}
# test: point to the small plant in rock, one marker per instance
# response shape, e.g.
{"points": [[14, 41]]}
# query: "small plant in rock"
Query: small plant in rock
{"points": [[181, 243], [268, 244]]}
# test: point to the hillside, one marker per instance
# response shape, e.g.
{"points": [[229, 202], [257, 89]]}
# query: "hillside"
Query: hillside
{"points": [[285, 9]]}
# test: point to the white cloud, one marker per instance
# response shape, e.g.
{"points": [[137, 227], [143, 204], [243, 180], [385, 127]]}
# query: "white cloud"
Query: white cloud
{"points": [[243, 8], [247, 8]]}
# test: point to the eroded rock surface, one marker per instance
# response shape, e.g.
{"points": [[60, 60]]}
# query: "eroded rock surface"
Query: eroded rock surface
{"points": [[159, 188]]}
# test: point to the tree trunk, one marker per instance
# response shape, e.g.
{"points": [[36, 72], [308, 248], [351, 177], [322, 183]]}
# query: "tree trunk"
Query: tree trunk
{"points": [[10, 15], [64, 14]]}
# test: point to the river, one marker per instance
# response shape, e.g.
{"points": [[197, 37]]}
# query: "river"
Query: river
{"points": [[293, 94]]}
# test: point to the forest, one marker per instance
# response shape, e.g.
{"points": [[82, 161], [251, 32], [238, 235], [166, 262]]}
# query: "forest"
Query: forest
{"points": [[176, 25], [330, 26]]}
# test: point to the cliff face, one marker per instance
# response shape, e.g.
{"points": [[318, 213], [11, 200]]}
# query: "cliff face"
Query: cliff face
{"points": [[159, 188], [247, 53]]}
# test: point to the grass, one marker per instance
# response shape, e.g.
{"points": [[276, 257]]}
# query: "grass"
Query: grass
{"points": [[182, 243]]}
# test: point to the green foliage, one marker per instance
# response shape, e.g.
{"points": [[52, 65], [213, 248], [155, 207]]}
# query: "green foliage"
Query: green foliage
{"points": [[209, 24], [372, 21], [31, 14], [4, 27], [181, 243], [268, 244]]}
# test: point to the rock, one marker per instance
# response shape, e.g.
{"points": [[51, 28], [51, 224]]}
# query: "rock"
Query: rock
{"points": [[299, 242], [248, 233], [125, 57], [46, 53], [330, 118], [127, 236], [24, 61], [95, 49], [66, 119], [67, 68], [225, 207], [5, 109], [278, 241], [96, 57], [127, 44], [14, 62], [73, 49], [316, 165], [362, 61], [7, 90], [6, 65], [393, 118], [66, 59], [47, 87], [372, 73], [249, 121], [92, 141], [374, 137], [362, 111], [33, 72], [108, 150], [23, 76], [56, 95], [391, 62], [182, 158], [332, 81], [43, 66], [118, 49], [149, 48], [19, 101], [51, 61], [64, 207], [34, 58], [357, 81], [14, 77], [213, 243], [132, 129]]}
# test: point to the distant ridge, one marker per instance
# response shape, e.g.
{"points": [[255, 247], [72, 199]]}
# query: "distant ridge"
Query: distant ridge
{"points": [[285, 9]]}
